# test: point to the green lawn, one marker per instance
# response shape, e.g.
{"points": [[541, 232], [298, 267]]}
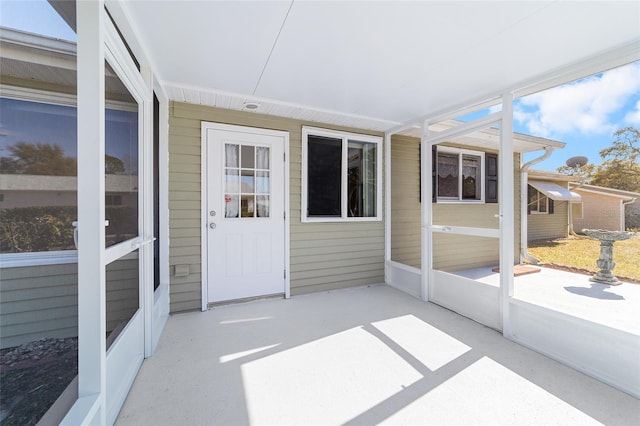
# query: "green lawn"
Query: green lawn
{"points": [[582, 253]]}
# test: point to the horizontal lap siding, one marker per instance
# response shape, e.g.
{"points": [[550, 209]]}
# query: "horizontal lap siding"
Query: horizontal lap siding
{"points": [[38, 302], [42, 301], [450, 254], [543, 226], [459, 252], [324, 256], [405, 201]]}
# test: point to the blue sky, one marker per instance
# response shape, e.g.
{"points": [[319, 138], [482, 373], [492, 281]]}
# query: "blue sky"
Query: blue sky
{"points": [[34, 16], [584, 114]]}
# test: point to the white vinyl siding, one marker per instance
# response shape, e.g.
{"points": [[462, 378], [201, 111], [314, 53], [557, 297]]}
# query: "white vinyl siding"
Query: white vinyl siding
{"points": [[38, 302], [324, 256], [556, 225], [405, 201]]}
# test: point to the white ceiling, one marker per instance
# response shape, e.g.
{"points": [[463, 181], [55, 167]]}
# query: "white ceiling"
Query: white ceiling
{"points": [[369, 64]]}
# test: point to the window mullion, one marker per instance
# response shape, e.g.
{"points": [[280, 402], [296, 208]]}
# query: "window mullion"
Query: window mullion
{"points": [[460, 176], [344, 184]]}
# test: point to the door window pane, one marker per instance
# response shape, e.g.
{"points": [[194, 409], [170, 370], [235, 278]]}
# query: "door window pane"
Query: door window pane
{"points": [[262, 158], [231, 155], [248, 156], [231, 205], [262, 202], [121, 160], [231, 181], [262, 182], [324, 176], [247, 182], [247, 205]]}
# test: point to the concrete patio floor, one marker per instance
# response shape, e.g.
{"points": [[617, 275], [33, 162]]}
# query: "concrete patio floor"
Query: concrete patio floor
{"points": [[360, 356], [573, 294]]}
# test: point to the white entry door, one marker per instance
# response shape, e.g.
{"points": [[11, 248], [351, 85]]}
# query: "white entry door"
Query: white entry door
{"points": [[245, 212]]}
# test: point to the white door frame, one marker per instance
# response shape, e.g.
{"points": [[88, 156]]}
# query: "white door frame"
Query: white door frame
{"points": [[204, 262]]}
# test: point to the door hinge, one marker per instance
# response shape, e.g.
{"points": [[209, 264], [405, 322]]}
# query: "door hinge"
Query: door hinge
{"points": [[284, 157], [285, 274], [284, 215]]}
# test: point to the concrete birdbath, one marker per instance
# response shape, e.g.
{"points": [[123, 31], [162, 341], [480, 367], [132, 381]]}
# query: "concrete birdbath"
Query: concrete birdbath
{"points": [[605, 261]]}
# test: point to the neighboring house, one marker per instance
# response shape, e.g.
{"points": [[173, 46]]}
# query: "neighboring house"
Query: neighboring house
{"points": [[275, 157], [549, 205], [18, 190], [606, 208]]}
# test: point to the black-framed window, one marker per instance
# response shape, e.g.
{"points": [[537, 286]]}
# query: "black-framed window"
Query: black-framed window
{"points": [[461, 175], [341, 176]]}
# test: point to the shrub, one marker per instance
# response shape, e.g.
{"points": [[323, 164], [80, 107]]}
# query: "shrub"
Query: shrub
{"points": [[31, 229]]}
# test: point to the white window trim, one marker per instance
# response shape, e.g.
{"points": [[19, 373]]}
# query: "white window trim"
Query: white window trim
{"points": [[483, 173], [38, 258], [51, 97], [345, 136]]}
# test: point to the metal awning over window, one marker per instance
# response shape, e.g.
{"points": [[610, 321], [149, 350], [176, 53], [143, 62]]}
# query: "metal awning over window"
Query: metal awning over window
{"points": [[555, 191]]}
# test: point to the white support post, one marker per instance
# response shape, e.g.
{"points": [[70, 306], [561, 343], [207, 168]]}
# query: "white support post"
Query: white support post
{"points": [[507, 210], [387, 205], [426, 207], [91, 206]]}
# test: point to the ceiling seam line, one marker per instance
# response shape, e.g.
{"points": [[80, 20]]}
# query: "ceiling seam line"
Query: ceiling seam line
{"points": [[273, 47]]}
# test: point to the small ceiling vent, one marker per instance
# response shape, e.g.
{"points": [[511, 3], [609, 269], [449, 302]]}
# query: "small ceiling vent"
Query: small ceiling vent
{"points": [[251, 106]]}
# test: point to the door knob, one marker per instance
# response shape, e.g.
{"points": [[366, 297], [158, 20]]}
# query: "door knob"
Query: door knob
{"points": [[212, 225]]}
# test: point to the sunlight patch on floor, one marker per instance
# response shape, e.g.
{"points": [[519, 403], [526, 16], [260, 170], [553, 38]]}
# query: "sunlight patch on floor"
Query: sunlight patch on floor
{"points": [[241, 320], [238, 355], [327, 381], [483, 394], [427, 344]]}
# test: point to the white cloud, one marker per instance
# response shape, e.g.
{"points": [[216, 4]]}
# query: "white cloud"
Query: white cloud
{"points": [[633, 116], [586, 106]]}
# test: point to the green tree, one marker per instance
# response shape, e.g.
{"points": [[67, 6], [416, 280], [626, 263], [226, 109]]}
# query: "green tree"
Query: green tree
{"points": [[113, 165], [9, 166], [619, 169], [584, 172], [38, 159]]}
